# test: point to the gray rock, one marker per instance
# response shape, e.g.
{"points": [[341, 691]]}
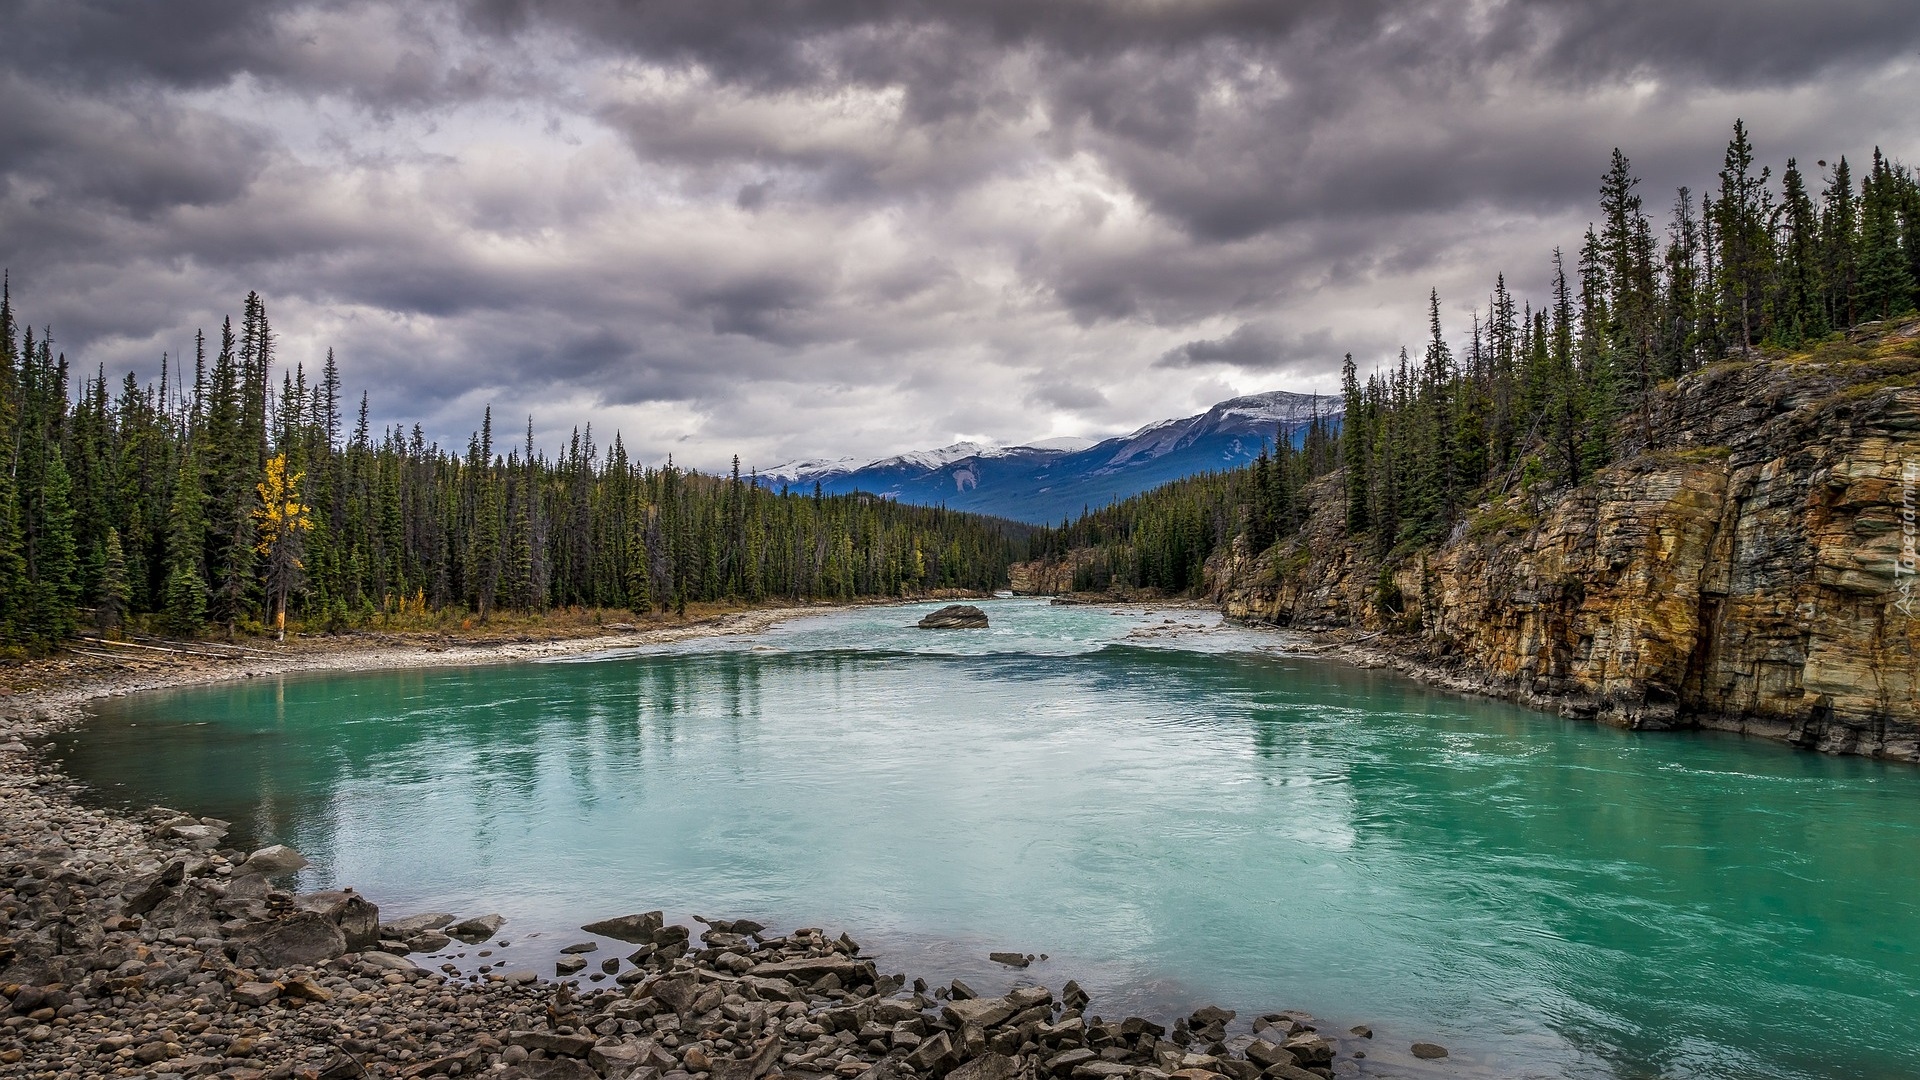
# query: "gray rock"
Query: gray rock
{"points": [[582, 947], [985, 1012], [273, 861], [984, 1067], [931, 1053], [569, 965], [356, 916], [1211, 1016], [476, 930], [564, 1068], [553, 1043], [386, 961], [1011, 959], [401, 929], [145, 895], [1063, 1064], [1427, 1051], [304, 938], [808, 968], [751, 1067], [955, 617], [1310, 1049], [632, 929], [676, 993]]}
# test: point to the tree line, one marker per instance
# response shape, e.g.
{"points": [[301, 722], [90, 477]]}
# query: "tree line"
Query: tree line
{"points": [[229, 503], [1545, 394]]}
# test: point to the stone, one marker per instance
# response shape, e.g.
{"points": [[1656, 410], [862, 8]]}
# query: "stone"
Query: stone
{"points": [[1211, 1016], [476, 930], [548, 1069], [632, 929], [552, 1042], [1267, 1055], [582, 947], [464, 1062], [1011, 959], [255, 993], [1308, 1048], [386, 961], [955, 617], [303, 938], [1427, 1051], [273, 860], [1063, 1063], [931, 1053], [401, 929], [751, 1067], [676, 993], [1101, 1070], [984, 1012], [984, 1067], [146, 894], [356, 916], [808, 968], [569, 965]]}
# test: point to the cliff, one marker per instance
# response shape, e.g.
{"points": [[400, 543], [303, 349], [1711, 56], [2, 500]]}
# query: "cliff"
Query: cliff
{"points": [[1753, 572]]}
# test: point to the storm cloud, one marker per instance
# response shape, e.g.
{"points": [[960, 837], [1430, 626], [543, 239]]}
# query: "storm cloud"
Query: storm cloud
{"points": [[848, 227]]}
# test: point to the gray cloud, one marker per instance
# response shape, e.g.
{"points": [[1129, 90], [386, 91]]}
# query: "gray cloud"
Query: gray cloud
{"points": [[832, 227]]}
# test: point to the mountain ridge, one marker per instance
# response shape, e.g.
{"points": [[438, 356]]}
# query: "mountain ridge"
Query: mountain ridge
{"points": [[1042, 482]]}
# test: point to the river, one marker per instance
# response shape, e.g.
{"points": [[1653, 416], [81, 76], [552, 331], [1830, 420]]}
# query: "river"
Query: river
{"points": [[1173, 810]]}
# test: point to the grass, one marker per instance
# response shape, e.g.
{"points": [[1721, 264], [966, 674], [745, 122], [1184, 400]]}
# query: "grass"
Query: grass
{"points": [[1512, 517]]}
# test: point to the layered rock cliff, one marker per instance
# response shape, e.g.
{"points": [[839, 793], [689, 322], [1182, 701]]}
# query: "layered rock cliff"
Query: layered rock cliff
{"points": [[1752, 571]]}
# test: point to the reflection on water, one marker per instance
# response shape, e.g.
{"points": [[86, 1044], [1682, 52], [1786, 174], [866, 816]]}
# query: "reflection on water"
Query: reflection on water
{"points": [[1171, 814]]}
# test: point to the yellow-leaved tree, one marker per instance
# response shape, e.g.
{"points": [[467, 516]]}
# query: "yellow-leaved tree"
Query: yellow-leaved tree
{"points": [[282, 517]]}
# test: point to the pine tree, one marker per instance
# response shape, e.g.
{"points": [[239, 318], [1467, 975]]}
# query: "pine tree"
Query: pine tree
{"points": [[110, 606], [186, 586]]}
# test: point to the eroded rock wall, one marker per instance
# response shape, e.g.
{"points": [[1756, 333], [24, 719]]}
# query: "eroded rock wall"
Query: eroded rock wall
{"points": [[1751, 572]]}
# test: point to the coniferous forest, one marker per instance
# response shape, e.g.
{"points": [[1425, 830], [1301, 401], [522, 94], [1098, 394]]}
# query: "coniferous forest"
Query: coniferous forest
{"points": [[229, 502], [1543, 394]]}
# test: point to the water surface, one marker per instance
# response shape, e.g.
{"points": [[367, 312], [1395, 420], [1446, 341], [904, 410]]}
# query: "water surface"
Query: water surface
{"points": [[1172, 811]]}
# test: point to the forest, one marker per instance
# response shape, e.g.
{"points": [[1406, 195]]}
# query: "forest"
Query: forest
{"points": [[231, 505], [1544, 394]]}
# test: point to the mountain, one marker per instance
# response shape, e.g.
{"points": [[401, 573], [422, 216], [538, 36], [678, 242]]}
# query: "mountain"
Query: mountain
{"points": [[1045, 481]]}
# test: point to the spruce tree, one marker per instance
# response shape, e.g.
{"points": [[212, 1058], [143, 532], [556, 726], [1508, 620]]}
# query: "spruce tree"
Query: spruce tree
{"points": [[110, 605]]}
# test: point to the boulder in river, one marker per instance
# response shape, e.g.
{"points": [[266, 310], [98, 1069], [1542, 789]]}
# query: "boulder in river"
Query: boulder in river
{"points": [[955, 617], [476, 930], [632, 929]]}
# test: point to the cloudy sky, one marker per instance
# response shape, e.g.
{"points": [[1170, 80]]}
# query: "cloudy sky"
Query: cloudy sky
{"points": [[796, 228]]}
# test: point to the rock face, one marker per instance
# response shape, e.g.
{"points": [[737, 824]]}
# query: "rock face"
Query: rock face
{"points": [[955, 617], [1754, 572]]}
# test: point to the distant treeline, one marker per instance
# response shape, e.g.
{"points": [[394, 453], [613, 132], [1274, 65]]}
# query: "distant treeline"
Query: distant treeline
{"points": [[1545, 395], [228, 503]]}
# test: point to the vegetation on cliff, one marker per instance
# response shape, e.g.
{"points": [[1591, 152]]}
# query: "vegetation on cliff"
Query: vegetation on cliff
{"points": [[225, 503], [1542, 396]]}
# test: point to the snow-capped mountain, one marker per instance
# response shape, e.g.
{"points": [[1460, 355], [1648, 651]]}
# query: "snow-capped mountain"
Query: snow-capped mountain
{"points": [[1054, 478]]}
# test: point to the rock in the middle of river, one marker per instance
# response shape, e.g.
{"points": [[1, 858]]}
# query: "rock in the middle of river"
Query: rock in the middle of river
{"points": [[955, 617]]}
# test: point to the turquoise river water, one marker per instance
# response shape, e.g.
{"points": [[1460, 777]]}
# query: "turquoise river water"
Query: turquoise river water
{"points": [[1176, 812]]}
